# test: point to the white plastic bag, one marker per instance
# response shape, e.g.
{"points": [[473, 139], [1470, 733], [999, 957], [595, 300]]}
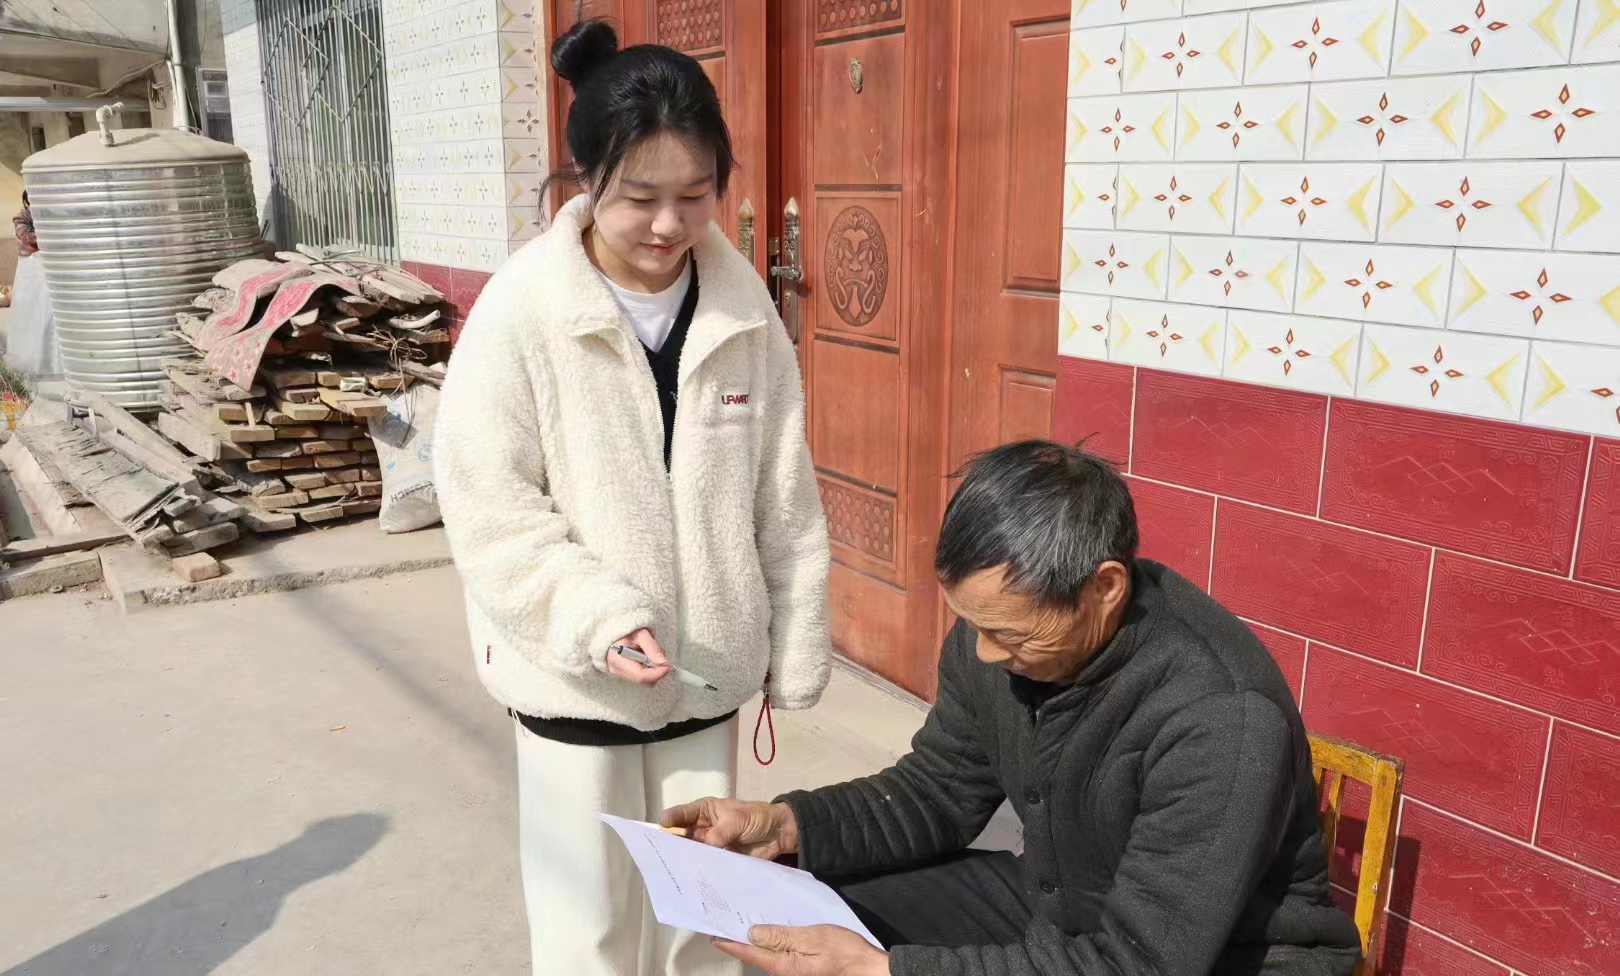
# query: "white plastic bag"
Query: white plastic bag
{"points": [[31, 348], [404, 439]]}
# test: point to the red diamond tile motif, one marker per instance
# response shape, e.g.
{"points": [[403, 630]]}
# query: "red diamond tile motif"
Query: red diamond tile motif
{"points": [[1504, 899], [1287, 650], [1498, 490], [1093, 403], [1340, 586], [1580, 807], [1234, 439], [1539, 641], [1467, 754], [1598, 560], [1175, 526]]}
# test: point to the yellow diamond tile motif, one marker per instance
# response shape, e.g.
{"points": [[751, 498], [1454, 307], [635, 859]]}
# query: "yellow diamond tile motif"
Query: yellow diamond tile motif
{"points": [[1474, 289], [1495, 114], [1137, 59], [1252, 199], [1380, 362], [1313, 279], [1358, 203], [1608, 15], [1243, 345], [1207, 341], [1551, 383], [1341, 359], [1369, 39], [1071, 261], [1189, 125], [1151, 269], [1132, 198], [1158, 128], [1546, 24], [1611, 304], [1498, 378], [1416, 33], [1587, 206], [1275, 277], [1082, 64], [1530, 206], [1423, 290], [1071, 325], [1227, 49], [1217, 200], [1329, 121], [1403, 203], [1443, 118], [1073, 198], [1184, 270], [1265, 47]]}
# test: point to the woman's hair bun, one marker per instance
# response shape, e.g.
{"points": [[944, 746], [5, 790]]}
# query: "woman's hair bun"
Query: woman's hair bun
{"points": [[586, 47]]}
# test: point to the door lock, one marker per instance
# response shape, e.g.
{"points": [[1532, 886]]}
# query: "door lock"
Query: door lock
{"points": [[788, 271]]}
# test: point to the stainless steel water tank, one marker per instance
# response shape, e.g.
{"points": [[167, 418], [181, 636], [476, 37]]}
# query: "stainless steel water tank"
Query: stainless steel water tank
{"points": [[130, 233]]}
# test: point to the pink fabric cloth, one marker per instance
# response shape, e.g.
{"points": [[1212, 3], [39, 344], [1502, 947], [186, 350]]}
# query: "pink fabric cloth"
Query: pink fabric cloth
{"points": [[236, 357]]}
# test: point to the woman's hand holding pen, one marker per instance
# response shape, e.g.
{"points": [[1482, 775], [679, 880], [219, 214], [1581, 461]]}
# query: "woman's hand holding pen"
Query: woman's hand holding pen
{"points": [[627, 670]]}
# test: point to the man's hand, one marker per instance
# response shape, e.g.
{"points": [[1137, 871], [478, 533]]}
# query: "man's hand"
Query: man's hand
{"points": [[820, 950], [764, 830]]}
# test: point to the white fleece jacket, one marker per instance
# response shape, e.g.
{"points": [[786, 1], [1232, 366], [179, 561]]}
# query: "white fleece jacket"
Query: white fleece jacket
{"points": [[566, 529]]}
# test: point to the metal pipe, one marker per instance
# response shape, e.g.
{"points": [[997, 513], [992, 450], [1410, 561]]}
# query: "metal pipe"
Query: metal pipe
{"points": [[53, 103], [104, 116], [177, 70]]}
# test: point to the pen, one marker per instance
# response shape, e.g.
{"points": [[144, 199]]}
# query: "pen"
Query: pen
{"points": [[682, 675]]}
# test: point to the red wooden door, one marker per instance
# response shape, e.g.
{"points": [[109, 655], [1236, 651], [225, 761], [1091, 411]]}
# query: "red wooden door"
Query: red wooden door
{"points": [[864, 114], [1014, 64]]}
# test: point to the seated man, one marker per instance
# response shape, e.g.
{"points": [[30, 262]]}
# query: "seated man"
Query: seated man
{"points": [[1143, 734]]}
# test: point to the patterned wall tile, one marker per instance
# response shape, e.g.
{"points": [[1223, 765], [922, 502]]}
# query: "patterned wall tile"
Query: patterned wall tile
{"points": [[1242, 123], [1389, 119], [1598, 559], [1344, 587], [1589, 216], [1413, 950], [1092, 403], [1233, 439], [1501, 491], [1288, 651], [1573, 387], [1185, 338], [1115, 263], [1374, 282], [1198, 52], [1191, 7], [1539, 641], [1320, 42], [1463, 752], [1481, 35], [1096, 13], [1084, 328], [1194, 198], [1557, 112], [1175, 526], [1472, 204], [1089, 195], [1540, 294], [1122, 128], [1580, 813], [1505, 899], [1294, 351], [1323, 201], [1233, 272], [1597, 31], [1096, 60]]}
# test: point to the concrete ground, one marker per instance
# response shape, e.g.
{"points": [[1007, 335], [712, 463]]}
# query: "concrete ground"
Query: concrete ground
{"points": [[310, 781]]}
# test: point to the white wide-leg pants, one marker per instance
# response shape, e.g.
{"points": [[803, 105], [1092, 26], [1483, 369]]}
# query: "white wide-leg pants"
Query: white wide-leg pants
{"points": [[588, 913]]}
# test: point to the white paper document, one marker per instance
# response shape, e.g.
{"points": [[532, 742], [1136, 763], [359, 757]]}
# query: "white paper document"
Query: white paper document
{"points": [[705, 889]]}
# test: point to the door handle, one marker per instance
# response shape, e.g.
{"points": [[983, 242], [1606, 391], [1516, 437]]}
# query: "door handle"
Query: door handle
{"points": [[788, 272], [745, 229]]}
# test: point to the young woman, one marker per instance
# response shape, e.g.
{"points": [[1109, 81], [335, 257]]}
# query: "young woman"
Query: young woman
{"points": [[621, 464]]}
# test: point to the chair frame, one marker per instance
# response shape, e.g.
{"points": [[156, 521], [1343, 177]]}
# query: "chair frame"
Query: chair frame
{"points": [[1333, 761]]}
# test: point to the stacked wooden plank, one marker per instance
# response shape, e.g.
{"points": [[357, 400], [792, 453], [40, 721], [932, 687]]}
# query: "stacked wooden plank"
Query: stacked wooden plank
{"points": [[295, 447]]}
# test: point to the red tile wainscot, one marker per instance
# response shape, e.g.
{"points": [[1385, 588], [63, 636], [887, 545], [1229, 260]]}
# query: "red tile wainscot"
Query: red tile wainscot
{"points": [[1547, 643], [1175, 527], [1093, 400], [1340, 586], [1464, 753], [1287, 650], [1503, 491], [1599, 558], [1580, 811], [1537, 914], [1237, 440], [1411, 950]]}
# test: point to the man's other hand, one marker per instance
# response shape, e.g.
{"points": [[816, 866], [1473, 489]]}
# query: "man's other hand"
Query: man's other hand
{"points": [[819, 950], [764, 830]]}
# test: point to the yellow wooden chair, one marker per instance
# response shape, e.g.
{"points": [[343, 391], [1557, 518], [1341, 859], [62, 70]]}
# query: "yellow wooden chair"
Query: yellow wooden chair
{"points": [[1335, 761]]}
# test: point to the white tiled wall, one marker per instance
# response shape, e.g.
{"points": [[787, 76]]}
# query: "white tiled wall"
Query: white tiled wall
{"points": [[1410, 201], [244, 75], [467, 118]]}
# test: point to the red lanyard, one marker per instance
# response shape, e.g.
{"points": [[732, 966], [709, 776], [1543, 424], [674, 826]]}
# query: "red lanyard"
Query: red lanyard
{"points": [[769, 724]]}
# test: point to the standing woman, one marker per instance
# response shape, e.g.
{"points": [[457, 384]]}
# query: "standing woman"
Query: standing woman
{"points": [[621, 462]]}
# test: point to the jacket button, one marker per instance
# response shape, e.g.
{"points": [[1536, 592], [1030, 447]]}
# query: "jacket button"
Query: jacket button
{"points": [[1033, 796], [1048, 887]]}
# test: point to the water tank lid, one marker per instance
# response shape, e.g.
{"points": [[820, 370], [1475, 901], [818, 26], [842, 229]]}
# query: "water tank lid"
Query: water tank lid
{"points": [[132, 148]]}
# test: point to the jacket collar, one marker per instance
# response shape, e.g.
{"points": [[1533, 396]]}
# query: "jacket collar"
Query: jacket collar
{"points": [[729, 293]]}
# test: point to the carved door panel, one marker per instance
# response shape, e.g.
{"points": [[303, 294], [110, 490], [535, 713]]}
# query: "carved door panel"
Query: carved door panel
{"points": [[865, 154], [727, 37], [1008, 228]]}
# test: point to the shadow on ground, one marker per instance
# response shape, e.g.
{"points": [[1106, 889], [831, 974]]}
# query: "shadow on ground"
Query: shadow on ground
{"points": [[192, 929]]}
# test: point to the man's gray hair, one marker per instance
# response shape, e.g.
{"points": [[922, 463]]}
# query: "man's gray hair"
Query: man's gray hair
{"points": [[1050, 514]]}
